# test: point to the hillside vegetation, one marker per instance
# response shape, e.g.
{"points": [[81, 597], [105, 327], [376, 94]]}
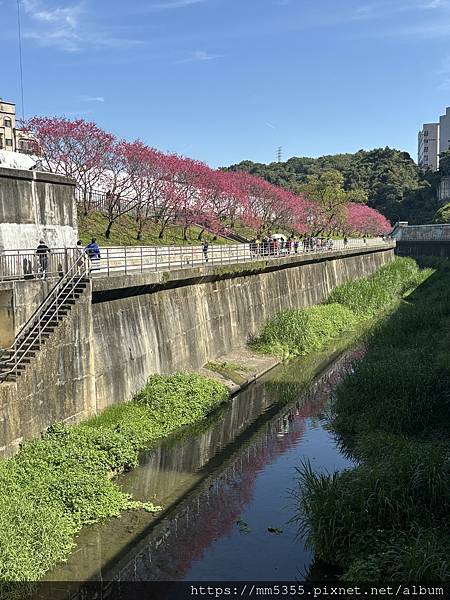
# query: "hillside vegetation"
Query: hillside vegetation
{"points": [[394, 184]]}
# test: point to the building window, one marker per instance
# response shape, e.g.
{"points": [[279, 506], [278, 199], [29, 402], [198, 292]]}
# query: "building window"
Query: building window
{"points": [[8, 142], [7, 122], [425, 133]]}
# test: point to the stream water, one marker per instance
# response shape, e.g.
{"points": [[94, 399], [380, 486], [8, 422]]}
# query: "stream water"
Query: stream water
{"points": [[223, 485]]}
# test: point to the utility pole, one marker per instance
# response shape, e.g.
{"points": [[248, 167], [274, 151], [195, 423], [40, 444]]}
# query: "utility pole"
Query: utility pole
{"points": [[19, 31]]}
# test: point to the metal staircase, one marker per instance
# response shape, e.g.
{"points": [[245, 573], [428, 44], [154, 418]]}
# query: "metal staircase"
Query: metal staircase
{"points": [[44, 321]]}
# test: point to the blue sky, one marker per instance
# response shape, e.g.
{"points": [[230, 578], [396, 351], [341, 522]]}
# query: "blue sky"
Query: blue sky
{"points": [[227, 80]]}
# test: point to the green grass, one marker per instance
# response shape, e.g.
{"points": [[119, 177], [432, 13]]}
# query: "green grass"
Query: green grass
{"points": [[368, 296], [388, 519], [298, 332], [60, 483], [123, 233]]}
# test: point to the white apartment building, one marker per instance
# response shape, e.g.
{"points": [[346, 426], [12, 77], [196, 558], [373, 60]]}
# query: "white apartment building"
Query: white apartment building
{"points": [[433, 139], [7, 126], [444, 131], [11, 138], [428, 153]]}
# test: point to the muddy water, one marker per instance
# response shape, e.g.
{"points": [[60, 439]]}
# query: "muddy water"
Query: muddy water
{"points": [[224, 486]]}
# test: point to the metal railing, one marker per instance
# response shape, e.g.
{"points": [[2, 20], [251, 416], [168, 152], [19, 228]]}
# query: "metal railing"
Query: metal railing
{"points": [[30, 337], [138, 259], [27, 264]]}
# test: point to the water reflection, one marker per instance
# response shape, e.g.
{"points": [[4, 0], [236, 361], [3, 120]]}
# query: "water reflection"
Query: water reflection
{"points": [[200, 538], [237, 466]]}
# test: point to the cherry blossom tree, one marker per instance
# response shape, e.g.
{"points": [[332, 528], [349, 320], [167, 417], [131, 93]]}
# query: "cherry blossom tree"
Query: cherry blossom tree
{"points": [[123, 164], [73, 148], [363, 220]]}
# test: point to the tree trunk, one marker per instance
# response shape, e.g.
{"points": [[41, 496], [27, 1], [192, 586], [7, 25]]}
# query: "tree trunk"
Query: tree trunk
{"points": [[108, 230], [200, 235]]}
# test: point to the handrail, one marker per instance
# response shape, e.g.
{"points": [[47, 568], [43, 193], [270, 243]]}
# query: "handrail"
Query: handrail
{"points": [[54, 300], [47, 298]]}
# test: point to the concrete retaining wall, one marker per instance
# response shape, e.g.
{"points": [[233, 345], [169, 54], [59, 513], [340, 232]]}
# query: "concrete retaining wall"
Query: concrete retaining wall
{"points": [[59, 386], [35, 205], [134, 326], [176, 324]]}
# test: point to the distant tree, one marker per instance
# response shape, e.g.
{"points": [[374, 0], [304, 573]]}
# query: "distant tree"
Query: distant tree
{"points": [[444, 164], [327, 189], [443, 214], [389, 177]]}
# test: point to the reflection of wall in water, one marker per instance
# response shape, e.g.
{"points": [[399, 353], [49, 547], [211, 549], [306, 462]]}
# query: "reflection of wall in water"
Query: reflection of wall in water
{"points": [[190, 455], [212, 510]]}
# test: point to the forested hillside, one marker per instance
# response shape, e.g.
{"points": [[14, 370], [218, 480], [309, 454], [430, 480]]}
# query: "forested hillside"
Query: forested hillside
{"points": [[391, 181]]}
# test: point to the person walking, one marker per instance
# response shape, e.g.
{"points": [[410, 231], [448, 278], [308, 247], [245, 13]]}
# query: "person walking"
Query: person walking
{"points": [[80, 257], [205, 248], [93, 252], [289, 245], [42, 252]]}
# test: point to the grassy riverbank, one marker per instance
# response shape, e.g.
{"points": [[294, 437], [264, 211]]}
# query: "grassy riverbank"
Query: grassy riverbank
{"points": [[388, 519], [300, 332], [60, 483]]}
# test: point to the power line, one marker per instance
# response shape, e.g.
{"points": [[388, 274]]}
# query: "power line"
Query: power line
{"points": [[20, 58]]}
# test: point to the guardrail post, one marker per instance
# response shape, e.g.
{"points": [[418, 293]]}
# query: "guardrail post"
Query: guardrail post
{"points": [[142, 262], [125, 260]]}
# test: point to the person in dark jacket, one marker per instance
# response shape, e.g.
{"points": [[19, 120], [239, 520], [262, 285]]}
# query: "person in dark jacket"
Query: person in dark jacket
{"points": [[205, 248], [42, 252]]}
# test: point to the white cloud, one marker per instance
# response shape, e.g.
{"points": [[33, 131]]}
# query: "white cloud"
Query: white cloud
{"points": [[92, 98], [56, 25], [199, 56], [62, 27], [431, 4], [168, 4]]}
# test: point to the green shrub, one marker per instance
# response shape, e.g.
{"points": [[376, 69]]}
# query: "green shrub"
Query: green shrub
{"points": [[297, 332], [59, 483]]}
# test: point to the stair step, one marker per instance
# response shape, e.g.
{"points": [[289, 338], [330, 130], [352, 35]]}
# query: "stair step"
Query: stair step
{"points": [[12, 368], [9, 378]]}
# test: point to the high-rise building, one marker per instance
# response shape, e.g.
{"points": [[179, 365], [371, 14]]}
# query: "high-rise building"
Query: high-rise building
{"points": [[428, 154], [444, 131], [434, 138]]}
